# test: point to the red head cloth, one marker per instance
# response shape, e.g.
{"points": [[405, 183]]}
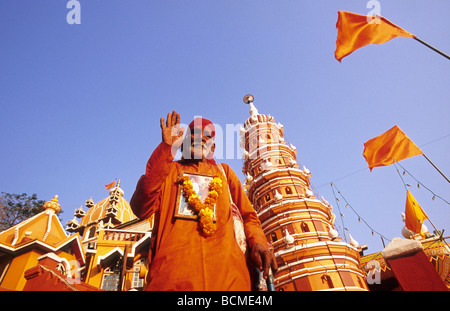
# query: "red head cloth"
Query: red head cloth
{"points": [[203, 123]]}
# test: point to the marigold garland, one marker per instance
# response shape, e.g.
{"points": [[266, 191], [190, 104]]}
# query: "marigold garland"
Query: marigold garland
{"points": [[204, 210]]}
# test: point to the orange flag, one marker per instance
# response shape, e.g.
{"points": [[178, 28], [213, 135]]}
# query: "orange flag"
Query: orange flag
{"points": [[391, 146], [354, 32], [414, 215], [110, 185]]}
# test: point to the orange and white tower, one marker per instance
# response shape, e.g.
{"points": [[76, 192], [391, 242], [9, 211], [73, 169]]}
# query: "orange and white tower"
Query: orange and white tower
{"points": [[300, 227]]}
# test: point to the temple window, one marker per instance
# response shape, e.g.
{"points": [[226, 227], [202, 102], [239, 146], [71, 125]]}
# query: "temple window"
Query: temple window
{"points": [[305, 227], [273, 236], [111, 278], [327, 279], [288, 190], [90, 233], [261, 201], [137, 282]]}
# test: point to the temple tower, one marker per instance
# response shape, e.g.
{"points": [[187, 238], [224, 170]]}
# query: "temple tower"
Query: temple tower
{"points": [[299, 226]]}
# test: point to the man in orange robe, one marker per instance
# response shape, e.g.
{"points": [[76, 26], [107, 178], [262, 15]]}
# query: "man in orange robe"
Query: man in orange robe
{"points": [[182, 257]]}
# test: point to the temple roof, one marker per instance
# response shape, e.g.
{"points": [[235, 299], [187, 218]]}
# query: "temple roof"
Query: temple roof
{"points": [[113, 208], [44, 226], [43, 230]]}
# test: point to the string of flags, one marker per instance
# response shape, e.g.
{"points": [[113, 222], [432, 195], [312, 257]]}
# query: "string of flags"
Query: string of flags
{"points": [[360, 218], [340, 213], [419, 183]]}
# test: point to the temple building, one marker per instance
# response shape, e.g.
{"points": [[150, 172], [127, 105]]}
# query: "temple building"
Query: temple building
{"points": [[299, 226], [107, 249], [115, 241], [38, 239]]}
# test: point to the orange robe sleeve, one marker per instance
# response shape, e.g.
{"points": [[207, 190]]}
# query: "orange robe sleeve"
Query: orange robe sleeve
{"points": [[147, 196], [252, 225]]}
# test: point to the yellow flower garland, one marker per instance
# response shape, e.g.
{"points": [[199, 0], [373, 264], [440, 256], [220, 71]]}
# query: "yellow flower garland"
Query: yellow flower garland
{"points": [[203, 210]]}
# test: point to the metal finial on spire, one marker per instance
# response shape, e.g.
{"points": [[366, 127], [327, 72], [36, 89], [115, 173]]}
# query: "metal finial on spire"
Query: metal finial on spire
{"points": [[248, 99]]}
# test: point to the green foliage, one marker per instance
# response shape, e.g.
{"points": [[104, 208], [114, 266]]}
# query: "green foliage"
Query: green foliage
{"points": [[15, 208]]}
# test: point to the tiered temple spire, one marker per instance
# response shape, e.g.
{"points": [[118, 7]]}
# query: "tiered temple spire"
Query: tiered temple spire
{"points": [[299, 226]]}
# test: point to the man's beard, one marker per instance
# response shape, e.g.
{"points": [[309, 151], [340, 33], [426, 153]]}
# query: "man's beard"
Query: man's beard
{"points": [[196, 151]]}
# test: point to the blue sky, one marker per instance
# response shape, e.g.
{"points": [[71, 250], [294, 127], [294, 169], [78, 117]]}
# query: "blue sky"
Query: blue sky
{"points": [[81, 103]]}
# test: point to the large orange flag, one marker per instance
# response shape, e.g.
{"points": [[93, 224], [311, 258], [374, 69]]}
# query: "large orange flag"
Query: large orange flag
{"points": [[354, 32], [391, 146], [414, 215]]}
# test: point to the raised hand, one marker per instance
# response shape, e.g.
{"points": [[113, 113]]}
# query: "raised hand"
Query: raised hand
{"points": [[171, 132]]}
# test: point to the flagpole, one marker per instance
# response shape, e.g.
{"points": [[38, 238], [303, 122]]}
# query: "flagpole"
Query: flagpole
{"points": [[438, 232], [436, 168], [432, 47]]}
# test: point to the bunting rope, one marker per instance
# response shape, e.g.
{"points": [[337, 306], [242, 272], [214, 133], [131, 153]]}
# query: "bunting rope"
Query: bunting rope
{"points": [[399, 175], [360, 218], [365, 168], [419, 184], [340, 213]]}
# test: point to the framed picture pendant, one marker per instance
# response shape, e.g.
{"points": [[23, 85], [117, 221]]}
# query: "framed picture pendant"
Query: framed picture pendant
{"points": [[200, 184]]}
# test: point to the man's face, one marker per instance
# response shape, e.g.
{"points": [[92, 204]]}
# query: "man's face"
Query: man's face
{"points": [[200, 143]]}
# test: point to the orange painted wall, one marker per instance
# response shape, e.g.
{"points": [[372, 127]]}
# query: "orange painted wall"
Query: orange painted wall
{"points": [[14, 277]]}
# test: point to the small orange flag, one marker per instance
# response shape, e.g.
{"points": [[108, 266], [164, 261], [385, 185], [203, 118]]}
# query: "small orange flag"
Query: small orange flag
{"points": [[414, 215], [110, 185], [391, 146], [354, 32]]}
